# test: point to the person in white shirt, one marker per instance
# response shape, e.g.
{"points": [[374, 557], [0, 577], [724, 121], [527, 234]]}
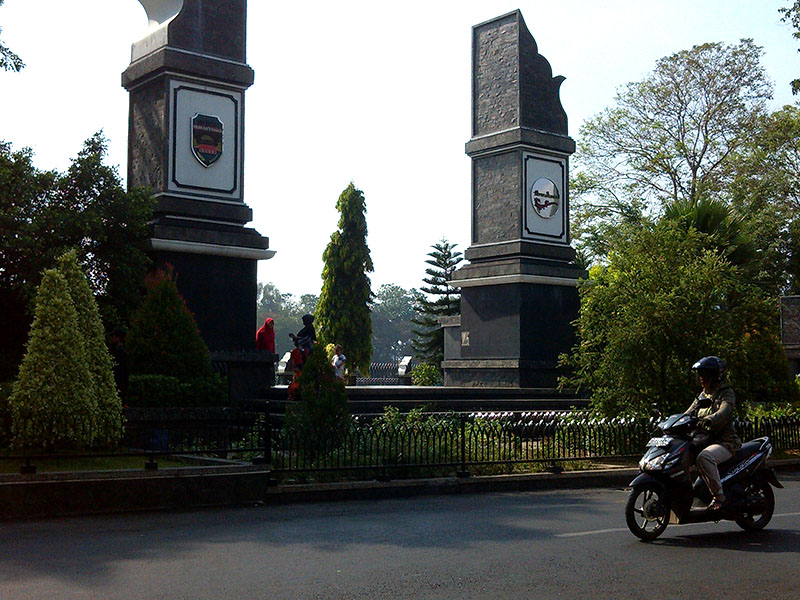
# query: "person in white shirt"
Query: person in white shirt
{"points": [[338, 361]]}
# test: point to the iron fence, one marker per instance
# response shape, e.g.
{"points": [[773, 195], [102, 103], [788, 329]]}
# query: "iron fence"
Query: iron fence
{"points": [[219, 432], [402, 445], [460, 441]]}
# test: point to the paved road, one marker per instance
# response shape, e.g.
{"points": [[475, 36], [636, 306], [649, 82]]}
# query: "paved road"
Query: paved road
{"points": [[568, 544]]}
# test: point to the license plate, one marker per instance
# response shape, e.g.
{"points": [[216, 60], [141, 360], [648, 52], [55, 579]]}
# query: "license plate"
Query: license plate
{"points": [[659, 442]]}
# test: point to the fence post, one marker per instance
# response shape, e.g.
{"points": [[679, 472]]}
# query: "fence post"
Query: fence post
{"points": [[463, 473]]}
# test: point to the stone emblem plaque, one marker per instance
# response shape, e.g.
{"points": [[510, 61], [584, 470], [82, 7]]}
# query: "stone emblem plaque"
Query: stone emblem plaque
{"points": [[207, 137], [544, 206]]}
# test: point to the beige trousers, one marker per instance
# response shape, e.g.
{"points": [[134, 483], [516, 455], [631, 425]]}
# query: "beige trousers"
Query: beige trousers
{"points": [[707, 463]]}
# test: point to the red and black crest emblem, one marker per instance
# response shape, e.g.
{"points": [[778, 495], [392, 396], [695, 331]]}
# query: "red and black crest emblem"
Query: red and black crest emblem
{"points": [[206, 139]]}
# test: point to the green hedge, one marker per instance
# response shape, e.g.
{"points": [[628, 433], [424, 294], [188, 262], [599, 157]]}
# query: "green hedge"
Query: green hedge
{"points": [[163, 391]]}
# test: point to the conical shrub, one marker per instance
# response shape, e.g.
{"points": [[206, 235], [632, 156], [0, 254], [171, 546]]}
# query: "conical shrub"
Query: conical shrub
{"points": [[52, 405], [107, 425], [164, 338]]}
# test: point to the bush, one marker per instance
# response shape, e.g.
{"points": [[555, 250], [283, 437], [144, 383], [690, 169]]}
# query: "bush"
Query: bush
{"points": [[166, 391], [322, 413], [426, 374], [164, 338], [107, 425], [52, 404]]}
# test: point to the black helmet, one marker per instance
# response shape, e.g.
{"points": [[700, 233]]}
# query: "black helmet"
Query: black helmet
{"points": [[710, 365], [308, 319]]}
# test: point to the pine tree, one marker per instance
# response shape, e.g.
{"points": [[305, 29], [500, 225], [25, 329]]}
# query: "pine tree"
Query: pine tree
{"points": [[108, 423], [52, 404], [343, 313], [444, 301], [164, 338]]}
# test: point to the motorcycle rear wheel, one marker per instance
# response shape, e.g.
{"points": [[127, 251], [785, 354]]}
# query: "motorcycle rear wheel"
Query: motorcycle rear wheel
{"points": [[647, 511], [758, 521]]}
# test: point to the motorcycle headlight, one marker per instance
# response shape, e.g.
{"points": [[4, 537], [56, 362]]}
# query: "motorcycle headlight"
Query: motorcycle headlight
{"points": [[658, 463]]}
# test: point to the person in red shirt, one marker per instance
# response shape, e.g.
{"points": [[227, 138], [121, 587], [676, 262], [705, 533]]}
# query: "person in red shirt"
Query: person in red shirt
{"points": [[265, 336]]}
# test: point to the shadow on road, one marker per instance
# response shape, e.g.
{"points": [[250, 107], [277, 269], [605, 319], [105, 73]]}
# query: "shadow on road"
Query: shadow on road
{"points": [[767, 541], [87, 550]]}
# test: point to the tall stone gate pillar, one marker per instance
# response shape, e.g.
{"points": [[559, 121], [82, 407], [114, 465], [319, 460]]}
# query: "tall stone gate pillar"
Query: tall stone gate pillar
{"points": [[187, 81], [518, 294]]}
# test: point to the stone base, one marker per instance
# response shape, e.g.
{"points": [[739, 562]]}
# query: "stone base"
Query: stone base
{"points": [[503, 373], [516, 319]]}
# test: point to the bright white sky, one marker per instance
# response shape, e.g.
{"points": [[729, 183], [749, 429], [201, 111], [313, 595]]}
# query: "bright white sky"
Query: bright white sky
{"points": [[369, 91]]}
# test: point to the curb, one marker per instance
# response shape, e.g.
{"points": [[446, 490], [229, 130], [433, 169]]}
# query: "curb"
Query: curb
{"points": [[80, 494], [616, 478]]}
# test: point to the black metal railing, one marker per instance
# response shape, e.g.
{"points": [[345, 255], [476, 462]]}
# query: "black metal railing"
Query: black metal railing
{"points": [[390, 445], [460, 441], [219, 432]]}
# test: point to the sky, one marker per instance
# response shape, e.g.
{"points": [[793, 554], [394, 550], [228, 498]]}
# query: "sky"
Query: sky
{"points": [[373, 92]]}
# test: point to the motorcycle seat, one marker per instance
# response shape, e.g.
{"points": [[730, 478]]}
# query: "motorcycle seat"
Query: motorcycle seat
{"points": [[747, 450]]}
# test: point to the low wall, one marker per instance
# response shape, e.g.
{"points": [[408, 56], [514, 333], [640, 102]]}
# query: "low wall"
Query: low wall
{"points": [[67, 494]]}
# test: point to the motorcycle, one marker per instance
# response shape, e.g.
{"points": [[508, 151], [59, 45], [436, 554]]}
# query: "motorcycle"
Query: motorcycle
{"points": [[664, 493]]}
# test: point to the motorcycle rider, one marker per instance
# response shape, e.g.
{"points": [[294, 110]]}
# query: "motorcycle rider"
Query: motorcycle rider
{"points": [[714, 407]]}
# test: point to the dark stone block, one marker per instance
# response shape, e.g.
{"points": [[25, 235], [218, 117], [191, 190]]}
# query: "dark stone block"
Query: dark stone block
{"points": [[216, 27], [221, 293], [512, 84]]}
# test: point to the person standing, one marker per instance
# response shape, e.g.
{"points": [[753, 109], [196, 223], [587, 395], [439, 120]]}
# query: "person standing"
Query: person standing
{"points": [[339, 360], [265, 336]]}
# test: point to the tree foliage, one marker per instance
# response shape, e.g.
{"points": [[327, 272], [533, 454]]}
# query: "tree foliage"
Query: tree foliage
{"points": [[52, 404], [764, 193], [8, 60], [791, 14], [441, 300], [44, 214], [392, 313], [164, 338], [666, 298], [343, 313], [668, 137], [107, 421]]}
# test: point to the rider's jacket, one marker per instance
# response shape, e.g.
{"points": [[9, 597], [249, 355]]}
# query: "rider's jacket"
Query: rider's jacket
{"points": [[720, 413]]}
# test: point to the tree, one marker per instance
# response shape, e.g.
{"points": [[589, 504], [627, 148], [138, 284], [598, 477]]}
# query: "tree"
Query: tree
{"points": [[8, 60], [392, 313], [107, 422], [671, 135], [164, 338], [343, 314], [442, 300], [44, 214], [791, 14], [52, 404], [664, 299], [764, 194]]}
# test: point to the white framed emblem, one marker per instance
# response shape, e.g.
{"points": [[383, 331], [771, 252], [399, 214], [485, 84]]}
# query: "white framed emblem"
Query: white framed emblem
{"points": [[544, 214]]}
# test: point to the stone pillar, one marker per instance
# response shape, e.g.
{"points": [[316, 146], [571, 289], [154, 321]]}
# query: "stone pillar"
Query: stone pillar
{"points": [[187, 81], [518, 292]]}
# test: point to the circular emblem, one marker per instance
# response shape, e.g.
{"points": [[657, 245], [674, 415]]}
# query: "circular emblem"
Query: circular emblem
{"points": [[544, 197]]}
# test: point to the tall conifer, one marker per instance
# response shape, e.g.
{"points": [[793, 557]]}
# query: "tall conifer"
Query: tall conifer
{"points": [[443, 301], [108, 418], [52, 404], [343, 314]]}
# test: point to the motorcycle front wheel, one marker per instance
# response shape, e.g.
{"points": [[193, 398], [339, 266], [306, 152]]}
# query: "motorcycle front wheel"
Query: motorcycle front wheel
{"points": [[647, 511], [761, 491]]}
